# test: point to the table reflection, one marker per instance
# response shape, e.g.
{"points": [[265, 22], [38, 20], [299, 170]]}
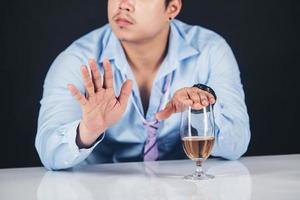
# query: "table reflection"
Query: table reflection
{"points": [[147, 181]]}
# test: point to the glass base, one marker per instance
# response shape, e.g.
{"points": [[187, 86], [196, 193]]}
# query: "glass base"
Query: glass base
{"points": [[199, 176]]}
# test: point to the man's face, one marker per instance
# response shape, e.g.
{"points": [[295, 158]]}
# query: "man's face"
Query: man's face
{"points": [[137, 20]]}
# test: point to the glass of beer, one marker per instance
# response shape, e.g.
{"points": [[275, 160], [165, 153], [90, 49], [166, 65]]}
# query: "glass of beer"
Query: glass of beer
{"points": [[197, 130]]}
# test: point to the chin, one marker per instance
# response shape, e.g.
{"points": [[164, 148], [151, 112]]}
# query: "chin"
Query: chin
{"points": [[129, 36], [124, 37]]}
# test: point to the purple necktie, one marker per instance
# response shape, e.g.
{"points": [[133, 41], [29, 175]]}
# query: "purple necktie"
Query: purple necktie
{"points": [[151, 150]]}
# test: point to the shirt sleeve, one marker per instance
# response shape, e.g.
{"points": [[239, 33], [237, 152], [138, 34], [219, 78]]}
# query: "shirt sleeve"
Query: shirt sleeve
{"points": [[231, 117], [60, 115]]}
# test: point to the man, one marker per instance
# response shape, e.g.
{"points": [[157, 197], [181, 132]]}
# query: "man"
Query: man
{"points": [[150, 64]]}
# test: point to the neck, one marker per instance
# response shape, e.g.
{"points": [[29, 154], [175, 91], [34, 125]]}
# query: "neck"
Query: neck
{"points": [[146, 56]]}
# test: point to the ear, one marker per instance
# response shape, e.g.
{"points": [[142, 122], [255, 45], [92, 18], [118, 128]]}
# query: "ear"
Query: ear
{"points": [[174, 8]]}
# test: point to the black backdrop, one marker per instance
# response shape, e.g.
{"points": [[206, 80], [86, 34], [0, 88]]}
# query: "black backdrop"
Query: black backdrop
{"points": [[262, 34]]}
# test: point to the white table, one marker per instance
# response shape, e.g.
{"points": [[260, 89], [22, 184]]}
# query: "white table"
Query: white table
{"points": [[261, 177]]}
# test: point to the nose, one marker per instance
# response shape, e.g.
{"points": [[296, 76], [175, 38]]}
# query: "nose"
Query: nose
{"points": [[127, 5]]}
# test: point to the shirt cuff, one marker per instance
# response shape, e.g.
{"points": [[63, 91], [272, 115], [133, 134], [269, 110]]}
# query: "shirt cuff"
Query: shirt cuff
{"points": [[70, 136]]}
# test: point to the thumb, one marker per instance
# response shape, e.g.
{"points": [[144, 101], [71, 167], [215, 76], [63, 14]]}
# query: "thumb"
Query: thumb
{"points": [[165, 113], [125, 93]]}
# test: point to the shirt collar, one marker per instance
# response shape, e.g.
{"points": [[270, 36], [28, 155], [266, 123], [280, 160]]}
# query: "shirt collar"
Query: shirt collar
{"points": [[111, 49], [179, 49]]}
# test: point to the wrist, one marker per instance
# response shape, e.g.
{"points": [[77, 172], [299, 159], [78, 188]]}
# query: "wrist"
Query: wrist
{"points": [[86, 138]]}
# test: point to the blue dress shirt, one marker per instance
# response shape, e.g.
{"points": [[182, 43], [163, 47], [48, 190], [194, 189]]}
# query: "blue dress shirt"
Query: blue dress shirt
{"points": [[195, 55]]}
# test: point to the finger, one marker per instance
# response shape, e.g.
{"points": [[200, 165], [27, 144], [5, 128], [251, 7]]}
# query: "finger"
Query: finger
{"points": [[125, 93], [96, 77], [203, 97], [88, 84], [77, 94], [108, 76], [193, 95], [182, 104], [166, 112], [182, 98], [210, 98]]}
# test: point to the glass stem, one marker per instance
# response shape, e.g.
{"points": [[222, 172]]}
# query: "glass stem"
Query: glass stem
{"points": [[199, 169]]}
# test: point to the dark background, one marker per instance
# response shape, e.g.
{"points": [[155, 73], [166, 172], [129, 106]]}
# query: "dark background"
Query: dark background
{"points": [[262, 34]]}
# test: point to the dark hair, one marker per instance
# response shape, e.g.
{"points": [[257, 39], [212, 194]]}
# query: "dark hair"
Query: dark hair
{"points": [[167, 2]]}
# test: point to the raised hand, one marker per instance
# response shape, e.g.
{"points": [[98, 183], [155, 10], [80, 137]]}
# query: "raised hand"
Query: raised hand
{"points": [[189, 96], [100, 107]]}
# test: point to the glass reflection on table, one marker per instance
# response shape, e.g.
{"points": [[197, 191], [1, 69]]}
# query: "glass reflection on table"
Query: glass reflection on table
{"points": [[149, 181]]}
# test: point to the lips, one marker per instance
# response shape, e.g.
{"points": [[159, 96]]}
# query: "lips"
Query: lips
{"points": [[123, 21]]}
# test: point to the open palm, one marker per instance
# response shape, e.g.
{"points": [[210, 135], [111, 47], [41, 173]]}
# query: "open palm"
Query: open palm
{"points": [[100, 107]]}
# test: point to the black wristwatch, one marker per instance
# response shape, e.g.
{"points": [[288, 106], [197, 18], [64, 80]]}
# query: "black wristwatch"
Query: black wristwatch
{"points": [[206, 88]]}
